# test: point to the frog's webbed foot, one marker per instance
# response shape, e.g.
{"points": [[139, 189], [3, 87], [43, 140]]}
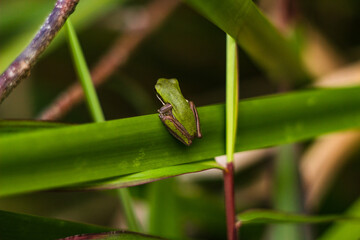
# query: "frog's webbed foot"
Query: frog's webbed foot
{"points": [[193, 108]]}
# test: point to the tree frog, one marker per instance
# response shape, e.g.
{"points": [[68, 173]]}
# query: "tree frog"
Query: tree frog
{"points": [[178, 114]]}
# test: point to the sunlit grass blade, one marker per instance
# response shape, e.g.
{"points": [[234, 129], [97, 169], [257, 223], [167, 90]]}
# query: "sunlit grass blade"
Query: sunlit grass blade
{"points": [[256, 35], [261, 216], [232, 96], [70, 155], [148, 176]]}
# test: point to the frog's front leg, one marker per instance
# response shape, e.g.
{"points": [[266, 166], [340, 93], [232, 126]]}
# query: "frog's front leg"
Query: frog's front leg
{"points": [[193, 108], [166, 109]]}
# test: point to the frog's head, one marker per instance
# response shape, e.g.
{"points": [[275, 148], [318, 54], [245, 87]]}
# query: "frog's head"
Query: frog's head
{"points": [[166, 89]]}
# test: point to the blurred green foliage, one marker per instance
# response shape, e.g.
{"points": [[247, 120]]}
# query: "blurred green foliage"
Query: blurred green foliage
{"points": [[186, 46]]}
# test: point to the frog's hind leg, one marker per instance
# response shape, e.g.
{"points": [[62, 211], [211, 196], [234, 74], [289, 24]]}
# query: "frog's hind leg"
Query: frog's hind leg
{"points": [[193, 108], [180, 128]]}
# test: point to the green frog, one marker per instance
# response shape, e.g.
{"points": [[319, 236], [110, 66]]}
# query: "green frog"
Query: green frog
{"points": [[178, 114]]}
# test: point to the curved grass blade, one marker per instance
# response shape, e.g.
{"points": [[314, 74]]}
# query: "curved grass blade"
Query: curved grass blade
{"points": [[256, 35], [18, 126], [261, 216], [148, 176], [70, 155], [15, 226]]}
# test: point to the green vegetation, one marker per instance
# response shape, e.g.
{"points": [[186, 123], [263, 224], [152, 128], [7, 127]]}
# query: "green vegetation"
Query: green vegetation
{"points": [[115, 145]]}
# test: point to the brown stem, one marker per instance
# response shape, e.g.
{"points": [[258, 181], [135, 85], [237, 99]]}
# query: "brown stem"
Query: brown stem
{"points": [[20, 68], [283, 13], [287, 11], [229, 201], [117, 55]]}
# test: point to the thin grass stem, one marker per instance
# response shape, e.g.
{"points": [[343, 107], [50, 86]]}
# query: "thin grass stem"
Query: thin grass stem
{"points": [[84, 75], [96, 112], [231, 125]]}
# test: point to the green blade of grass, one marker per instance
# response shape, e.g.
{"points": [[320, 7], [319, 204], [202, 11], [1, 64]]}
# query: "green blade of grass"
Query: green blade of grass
{"points": [[14, 226], [286, 192], [148, 176], [261, 216], [96, 111], [256, 35], [22, 226], [18, 126], [70, 155], [84, 74], [231, 124], [164, 216], [232, 96]]}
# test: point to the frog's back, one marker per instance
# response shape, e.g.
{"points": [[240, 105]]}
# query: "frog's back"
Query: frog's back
{"points": [[170, 93]]}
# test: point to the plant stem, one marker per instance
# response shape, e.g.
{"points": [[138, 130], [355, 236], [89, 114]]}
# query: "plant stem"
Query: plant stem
{"points": [[125, 197], [84, 75], [20, 68], [231, 96], [229, 201], [287, 193], [231, 124], [96, 112]]}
